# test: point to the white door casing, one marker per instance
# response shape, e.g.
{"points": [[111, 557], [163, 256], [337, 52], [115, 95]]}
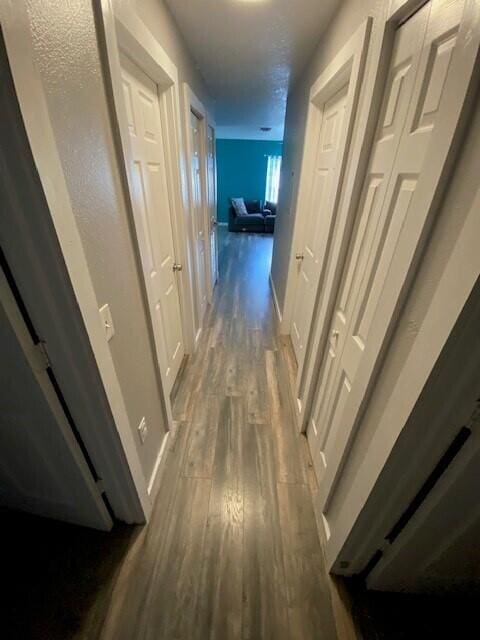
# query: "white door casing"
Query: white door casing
{"points": [[426, 89], [200, 235], [212, 204], [195, 123], [152, 215]]}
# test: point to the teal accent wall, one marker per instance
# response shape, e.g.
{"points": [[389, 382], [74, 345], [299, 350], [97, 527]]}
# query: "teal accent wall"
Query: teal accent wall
{"points": [[242, 171]]}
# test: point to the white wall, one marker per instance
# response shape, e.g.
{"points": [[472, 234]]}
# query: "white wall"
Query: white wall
{"points": [[156, 15], [68, 61]]}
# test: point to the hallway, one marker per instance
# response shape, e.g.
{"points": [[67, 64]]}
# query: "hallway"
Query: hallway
{"points": [[157, 368], [232, 549]]}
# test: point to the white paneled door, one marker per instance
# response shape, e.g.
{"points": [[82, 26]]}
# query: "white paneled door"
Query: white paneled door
{"points": [[152, 213], [388, 221], [319, 217], [405, 60], [199, 226], [212, 204]]}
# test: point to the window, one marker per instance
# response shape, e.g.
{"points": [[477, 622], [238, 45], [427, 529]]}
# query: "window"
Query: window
{"points": [[274, 164]]}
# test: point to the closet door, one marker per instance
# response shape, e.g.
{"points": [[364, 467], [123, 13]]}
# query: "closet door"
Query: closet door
{"points": [[198, 216], [397, 194], [333, 388], [331, 145], [152, 216], [212, 205]]}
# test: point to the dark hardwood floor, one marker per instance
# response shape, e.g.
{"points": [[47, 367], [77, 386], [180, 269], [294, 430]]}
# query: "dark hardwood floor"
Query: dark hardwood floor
{"points": [[232, 549]]}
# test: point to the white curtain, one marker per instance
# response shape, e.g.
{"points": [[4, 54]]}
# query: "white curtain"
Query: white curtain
{"points": [[274, 164]]}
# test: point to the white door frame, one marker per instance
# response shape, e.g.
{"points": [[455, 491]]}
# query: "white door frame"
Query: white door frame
{"points": [[125, 31], [48, 262], [436, 171], [192, 104], [345, 69], [211, 123], [439, 163]]}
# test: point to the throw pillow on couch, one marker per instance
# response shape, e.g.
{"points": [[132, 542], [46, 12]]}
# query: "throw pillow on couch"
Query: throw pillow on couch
{"points": [[239, 205]]}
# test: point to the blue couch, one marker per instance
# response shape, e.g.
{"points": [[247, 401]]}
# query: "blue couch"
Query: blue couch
{"points": [[258, 218]]}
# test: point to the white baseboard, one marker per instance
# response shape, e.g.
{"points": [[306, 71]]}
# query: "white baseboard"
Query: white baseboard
{"points": [[158, 462], [275, 299]]}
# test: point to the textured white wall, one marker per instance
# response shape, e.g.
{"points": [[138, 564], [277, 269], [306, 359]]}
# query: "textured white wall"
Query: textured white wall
{"points": [[67, 58], [156, 15], [68, 61]]}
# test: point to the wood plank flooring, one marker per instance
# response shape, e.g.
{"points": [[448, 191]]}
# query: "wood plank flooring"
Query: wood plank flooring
{"points": [[232, 550]]}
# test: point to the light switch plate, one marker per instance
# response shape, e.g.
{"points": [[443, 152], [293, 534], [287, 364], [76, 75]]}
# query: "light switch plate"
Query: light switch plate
{"points": [[107, 321]]}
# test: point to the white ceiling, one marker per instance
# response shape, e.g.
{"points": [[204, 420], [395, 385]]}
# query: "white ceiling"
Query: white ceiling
{"points": [[248, 52]]}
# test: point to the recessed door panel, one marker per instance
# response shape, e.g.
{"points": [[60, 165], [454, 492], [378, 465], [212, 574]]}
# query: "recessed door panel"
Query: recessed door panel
{"points": [[152, 214], [366, 242], [387, 218], [212, 204], [328, 155]]}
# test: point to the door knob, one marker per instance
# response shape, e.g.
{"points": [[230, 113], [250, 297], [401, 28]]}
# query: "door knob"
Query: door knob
{"points": [[299, 256], [214, 223], [177, 267]]}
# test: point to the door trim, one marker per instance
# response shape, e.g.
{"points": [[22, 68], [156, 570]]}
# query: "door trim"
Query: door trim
{"points": [[125, 31], [346, 67], [379, 54], [192, 104], [443, 345], [213, 126], [47, 247], [394, 16], [438, 165]]}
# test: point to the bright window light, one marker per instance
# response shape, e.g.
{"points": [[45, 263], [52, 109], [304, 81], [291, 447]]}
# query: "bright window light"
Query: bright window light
{"points": [[274, 164]]}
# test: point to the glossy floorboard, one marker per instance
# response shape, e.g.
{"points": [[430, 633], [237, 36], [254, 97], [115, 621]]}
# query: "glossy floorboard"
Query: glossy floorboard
{"points": [[232, 549]]}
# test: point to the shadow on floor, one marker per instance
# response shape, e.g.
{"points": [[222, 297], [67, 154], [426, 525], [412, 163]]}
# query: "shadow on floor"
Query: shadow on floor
{"points": [[398, 616], [57, 578]]}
